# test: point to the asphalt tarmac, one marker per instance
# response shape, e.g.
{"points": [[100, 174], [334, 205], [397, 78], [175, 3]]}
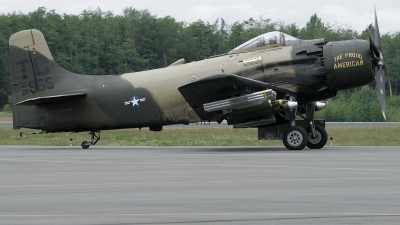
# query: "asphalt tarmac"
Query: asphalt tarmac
{"points": [[199, 185], [327, 124], [6, 124]]}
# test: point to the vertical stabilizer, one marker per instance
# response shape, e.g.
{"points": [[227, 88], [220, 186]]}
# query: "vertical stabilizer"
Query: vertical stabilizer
{"points": [[34, 74]]}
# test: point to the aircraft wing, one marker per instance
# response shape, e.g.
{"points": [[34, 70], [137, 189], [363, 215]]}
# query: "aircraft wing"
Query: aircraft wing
{"points": [[219, 87]]}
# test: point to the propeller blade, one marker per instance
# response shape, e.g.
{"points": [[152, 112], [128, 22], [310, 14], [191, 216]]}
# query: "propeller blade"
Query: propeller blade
{"points": [[387, 83], [373, 47], [381, 76], [380, 85], [377, 34]]}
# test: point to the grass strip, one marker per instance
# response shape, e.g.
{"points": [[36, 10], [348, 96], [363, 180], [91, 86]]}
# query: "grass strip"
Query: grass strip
{"points": [[342, 136]]}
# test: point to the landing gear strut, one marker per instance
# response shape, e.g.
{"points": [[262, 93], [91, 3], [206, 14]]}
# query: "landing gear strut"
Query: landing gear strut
{"points": [[93, 140], [320, 138], [295, 137], [317, 136]]}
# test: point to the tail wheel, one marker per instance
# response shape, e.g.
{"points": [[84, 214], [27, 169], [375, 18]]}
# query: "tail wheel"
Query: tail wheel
{"points": [[85, 145], [295, 138], [321, 137]]}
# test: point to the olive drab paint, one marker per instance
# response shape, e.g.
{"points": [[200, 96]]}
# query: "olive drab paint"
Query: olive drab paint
{"points": [[294, 72]]}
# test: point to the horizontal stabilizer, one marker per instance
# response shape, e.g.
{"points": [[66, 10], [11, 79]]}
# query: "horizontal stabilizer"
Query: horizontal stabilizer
{"points": [[51, 99]]}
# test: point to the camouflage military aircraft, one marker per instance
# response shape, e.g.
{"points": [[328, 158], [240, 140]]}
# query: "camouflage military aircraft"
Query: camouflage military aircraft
{"points": [[264, 82]]}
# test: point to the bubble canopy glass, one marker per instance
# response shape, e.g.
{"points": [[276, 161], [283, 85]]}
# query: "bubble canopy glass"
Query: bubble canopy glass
{"points": [[274, 38]]}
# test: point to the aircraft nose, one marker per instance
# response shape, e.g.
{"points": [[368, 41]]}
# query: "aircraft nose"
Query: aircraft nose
{"points": [[348, 64]]}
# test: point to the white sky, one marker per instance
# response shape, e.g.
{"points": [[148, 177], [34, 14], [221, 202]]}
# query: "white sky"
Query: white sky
{"points": [[356, 14]]}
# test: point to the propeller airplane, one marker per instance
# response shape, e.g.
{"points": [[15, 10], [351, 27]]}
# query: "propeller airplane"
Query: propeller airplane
{"points": [[266, 81]]}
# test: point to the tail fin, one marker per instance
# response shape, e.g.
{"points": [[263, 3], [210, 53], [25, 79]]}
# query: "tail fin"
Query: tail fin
{"points": [[34, 77]]}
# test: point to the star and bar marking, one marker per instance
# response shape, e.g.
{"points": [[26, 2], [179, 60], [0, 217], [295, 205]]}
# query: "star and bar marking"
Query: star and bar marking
{"points": [[135, 101]]}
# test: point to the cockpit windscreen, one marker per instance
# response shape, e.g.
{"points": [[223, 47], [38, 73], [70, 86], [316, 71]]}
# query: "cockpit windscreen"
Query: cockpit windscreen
{"points": [[274, 38]]}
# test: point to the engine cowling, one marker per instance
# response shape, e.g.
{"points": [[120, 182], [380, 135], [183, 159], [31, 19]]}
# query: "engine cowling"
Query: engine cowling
{"points": [[348, 64]]}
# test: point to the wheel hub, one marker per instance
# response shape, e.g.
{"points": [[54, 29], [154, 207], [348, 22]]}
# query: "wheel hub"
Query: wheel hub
{"points": [[317, 138], [295, 138]]}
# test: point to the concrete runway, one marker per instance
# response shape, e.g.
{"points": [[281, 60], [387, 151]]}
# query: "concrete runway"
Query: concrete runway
{"points": [[328, 124], [199, 185], [6, 124]]}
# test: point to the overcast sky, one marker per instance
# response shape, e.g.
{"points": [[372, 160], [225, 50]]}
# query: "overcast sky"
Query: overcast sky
{"points": [[356, 14]]}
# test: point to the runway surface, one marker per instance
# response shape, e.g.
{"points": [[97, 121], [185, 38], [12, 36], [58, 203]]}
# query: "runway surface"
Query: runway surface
{"points": [[199, 185], [6, 124], [328, 124]]}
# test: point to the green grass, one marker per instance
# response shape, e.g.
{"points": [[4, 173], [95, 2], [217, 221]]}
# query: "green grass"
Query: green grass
{"points": [[365, 136], [5, 116], [343, 136]]}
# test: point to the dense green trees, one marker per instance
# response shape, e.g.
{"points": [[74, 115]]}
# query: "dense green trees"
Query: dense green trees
{"points": [[360, 105], [100, 42]]}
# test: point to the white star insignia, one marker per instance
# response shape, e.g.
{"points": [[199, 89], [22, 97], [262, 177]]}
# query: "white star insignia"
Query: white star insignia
{"points": [[135, 101]]}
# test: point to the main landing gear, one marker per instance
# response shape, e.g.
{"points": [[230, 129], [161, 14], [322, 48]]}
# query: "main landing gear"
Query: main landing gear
{"points": [[296, 137], [93, 140], [320, 138]]}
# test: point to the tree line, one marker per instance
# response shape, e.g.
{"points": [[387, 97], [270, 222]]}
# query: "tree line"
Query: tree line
{"points": [[100, 42]]}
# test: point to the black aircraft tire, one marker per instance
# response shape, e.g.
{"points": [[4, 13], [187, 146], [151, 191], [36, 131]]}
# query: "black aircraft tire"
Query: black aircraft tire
{"points": [[295, 138], [320, 141], [85, 145]]}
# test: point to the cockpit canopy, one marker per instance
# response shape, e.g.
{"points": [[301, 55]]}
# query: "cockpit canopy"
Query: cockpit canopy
{"points": [[273, 39]]}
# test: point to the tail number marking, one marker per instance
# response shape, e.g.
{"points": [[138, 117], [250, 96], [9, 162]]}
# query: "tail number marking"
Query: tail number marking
{"points": [[22, 66], [41, 85], [41, 60]]}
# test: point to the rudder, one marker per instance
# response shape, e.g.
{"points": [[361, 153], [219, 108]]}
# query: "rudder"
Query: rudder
{"points": [[34, 74]]}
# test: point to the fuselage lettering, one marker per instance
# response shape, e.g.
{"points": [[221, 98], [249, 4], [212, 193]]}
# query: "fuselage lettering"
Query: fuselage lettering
{"points": [[35, 86], [252, 61], [357, 60], [41, 60], [22, 66], [348, 64]]}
